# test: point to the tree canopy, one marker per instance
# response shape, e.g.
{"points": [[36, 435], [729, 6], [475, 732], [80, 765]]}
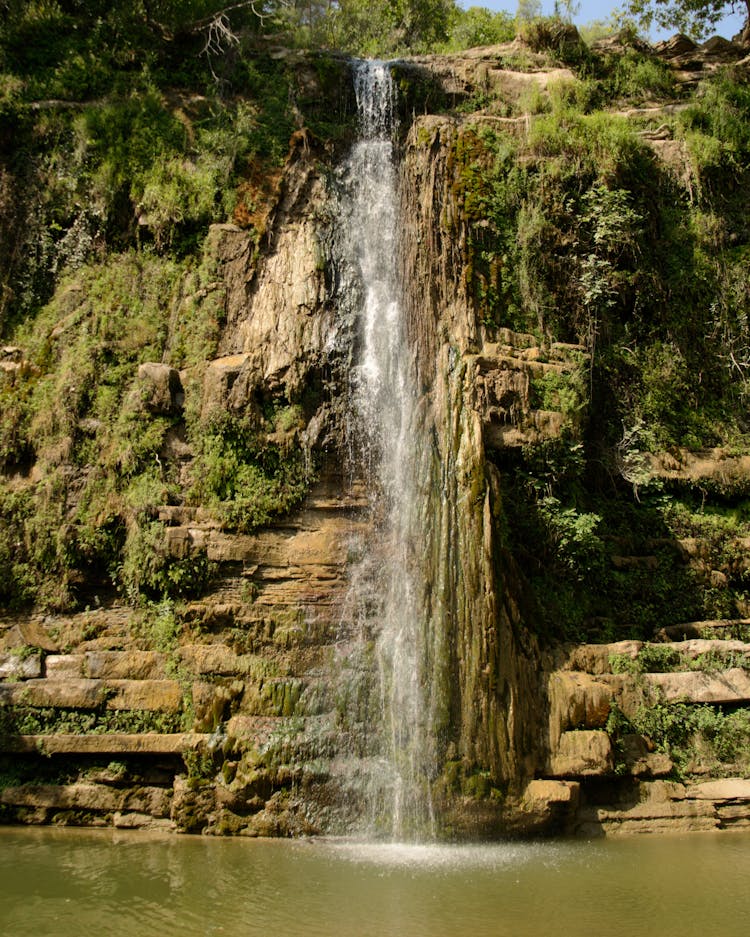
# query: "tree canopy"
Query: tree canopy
{"points": [[695, 17]]}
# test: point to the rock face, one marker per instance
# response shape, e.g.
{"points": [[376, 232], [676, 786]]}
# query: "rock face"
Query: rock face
{"points": [[225, 709], [471, 390], [240, 711]]}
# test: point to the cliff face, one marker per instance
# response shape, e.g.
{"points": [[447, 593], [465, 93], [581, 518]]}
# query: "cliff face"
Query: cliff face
{"points": [[182, 515], [508, 414]]}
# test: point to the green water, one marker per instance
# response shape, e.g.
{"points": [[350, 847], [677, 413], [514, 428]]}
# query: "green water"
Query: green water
{"points": [[71, 883]]}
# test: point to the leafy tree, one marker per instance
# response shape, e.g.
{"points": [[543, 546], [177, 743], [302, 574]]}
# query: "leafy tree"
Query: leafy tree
{"points": [[690, 16], [528, 10], [566, 9], [479, 26]]}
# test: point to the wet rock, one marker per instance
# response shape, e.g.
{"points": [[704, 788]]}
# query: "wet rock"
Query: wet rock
{"points": [[192, 806]]}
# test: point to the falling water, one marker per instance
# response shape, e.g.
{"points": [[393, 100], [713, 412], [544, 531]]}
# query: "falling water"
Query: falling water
{"points": [[386, 579]]}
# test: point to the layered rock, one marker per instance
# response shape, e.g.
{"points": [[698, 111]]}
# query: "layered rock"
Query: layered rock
{"points": [[240, 711]]}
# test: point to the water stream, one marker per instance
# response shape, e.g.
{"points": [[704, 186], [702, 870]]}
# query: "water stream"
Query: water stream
{"points": [[386, 579]]}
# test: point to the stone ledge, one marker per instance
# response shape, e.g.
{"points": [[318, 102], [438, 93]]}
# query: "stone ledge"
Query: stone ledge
{"points": [[146, 743], [633, 827], [731, 686], [154, 801], [650, 810], [733, 789], [82, 693], [594, 658]]}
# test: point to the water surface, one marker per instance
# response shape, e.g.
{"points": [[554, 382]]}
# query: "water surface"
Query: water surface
{"points": [[68, 883]]}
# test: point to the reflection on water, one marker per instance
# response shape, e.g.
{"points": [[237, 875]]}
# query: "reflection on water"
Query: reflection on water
{"points": [[67, 883]]}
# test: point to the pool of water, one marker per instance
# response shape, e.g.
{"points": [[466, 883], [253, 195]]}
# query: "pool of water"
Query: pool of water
{"points": [[76, 883]]}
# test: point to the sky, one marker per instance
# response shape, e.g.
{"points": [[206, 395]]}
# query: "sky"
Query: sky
{"points": [[591, 10]]}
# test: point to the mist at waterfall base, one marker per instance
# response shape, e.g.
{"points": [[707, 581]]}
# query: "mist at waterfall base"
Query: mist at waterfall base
{"points": [[63, 883]]}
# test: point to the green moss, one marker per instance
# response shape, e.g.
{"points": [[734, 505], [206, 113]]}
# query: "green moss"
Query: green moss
{"points": [[246, 478], [28, 720]]}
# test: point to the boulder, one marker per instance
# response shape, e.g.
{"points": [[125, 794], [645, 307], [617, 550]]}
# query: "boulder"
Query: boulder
{"points": [[721, 48], [220, 377], [576, 701], [582, 754], [677, 45], [641, 761], [545, 807], [161, 387]]}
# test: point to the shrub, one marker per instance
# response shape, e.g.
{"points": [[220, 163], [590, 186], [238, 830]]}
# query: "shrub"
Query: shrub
{"points": [[246, 478]]}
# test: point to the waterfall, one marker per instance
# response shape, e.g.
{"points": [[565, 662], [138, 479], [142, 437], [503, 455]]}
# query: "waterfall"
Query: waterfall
{"points": [[386, 582]]}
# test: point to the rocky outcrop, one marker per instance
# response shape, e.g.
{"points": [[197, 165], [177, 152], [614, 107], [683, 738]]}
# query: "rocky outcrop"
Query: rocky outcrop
{"points": [[242, 684], [223, 703], [626, 778]]}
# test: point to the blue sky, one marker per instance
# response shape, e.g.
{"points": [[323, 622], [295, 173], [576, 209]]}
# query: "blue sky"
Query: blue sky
{"points": [[596, 11]]}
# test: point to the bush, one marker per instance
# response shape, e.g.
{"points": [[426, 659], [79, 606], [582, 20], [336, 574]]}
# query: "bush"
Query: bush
{"points": [[479, 26], [247, 479]]}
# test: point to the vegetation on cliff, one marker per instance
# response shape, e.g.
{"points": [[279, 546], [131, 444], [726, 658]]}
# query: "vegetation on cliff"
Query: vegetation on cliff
{"points": [[113, 168], [580, 230], [598, 221]]}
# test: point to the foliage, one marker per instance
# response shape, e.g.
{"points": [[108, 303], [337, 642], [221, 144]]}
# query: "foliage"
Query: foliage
{"points": [[684, 732], [81, 403], [478, 26], [30, 720], [691, 16], [572, 535], [714, 126], [553, 229], [246, 478], [385, 27], [148, 569], [635, 77], [556, 36]]}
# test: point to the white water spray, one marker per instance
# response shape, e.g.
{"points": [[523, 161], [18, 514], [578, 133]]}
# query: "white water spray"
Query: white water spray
{"points": [[387, 579]]}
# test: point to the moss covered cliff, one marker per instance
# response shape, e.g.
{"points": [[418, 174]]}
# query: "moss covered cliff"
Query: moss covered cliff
{"points": [[178, 322]]}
